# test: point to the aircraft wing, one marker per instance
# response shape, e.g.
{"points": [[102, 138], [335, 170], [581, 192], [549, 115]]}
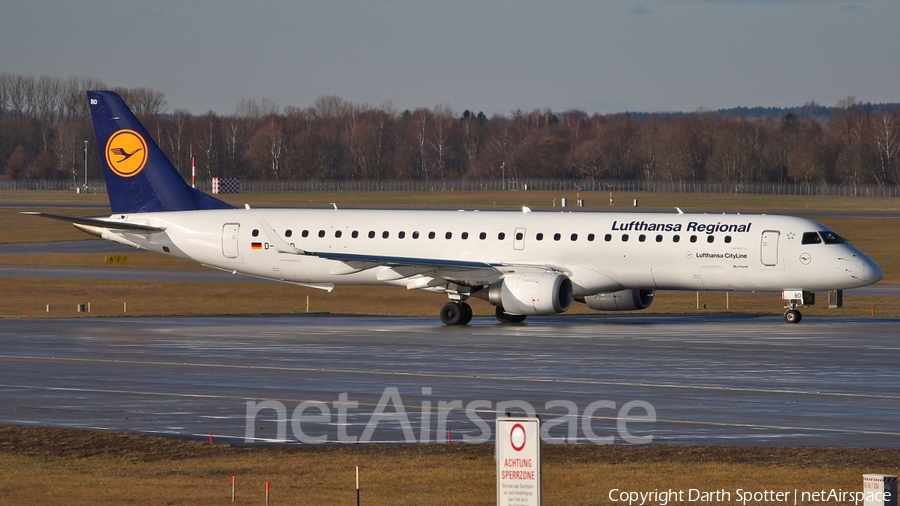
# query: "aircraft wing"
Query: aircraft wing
{"points": [[100, 223], [427, 273], [392, 261]]}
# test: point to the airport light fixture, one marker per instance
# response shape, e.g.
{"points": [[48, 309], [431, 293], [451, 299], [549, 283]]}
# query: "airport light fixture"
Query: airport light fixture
{"points": [[85, 165]]}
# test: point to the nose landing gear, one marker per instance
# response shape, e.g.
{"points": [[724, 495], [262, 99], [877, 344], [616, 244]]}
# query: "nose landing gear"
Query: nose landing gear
{"points": [[792, 316], [796, 298]]}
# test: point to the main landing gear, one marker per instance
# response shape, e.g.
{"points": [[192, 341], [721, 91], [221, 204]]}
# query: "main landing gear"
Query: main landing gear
{"points": [[460, 313], [456, 313]]}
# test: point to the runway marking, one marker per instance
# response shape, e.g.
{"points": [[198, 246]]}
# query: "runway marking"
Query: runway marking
{"points": [[412, 408], [455, 376]]}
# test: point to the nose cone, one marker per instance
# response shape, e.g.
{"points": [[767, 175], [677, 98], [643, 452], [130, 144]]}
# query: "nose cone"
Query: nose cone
{"points": [[871, 271]]}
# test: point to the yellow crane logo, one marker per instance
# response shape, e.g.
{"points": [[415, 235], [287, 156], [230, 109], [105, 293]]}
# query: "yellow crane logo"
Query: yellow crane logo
{"points": [[126, 153]]}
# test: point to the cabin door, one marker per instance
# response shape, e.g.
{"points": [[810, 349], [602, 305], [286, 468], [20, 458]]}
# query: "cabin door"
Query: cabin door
{"points": [[769, 247], [230, 240]]}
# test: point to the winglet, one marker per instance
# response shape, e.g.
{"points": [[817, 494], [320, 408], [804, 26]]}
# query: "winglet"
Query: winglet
{"points": [[679, 210]]}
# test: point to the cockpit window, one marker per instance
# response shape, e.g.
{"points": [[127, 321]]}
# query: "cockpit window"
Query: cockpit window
{"points": [[811, 238], [832, 238]]}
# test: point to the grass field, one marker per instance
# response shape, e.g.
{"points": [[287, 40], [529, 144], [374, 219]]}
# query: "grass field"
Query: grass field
{"points": [[61, 466], [484, 200]]}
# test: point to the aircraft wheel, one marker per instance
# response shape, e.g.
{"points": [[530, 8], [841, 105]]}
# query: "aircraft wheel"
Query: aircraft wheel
{"points": [[505, 317], [452, 313], [792, 316], [467, 313]]}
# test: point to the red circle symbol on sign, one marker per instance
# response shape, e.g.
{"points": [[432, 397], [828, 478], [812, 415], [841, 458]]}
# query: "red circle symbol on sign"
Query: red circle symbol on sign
{"points": [[517, 437]]}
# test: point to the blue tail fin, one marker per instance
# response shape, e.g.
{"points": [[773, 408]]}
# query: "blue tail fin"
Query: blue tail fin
{"points": [[139, 177]]}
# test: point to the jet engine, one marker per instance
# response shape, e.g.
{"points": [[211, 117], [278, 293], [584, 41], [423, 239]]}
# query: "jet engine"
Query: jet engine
{"points": [[623, 300], [530, 294]]}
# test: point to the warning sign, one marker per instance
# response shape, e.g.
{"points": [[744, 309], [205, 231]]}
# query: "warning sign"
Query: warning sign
{"points": [[518, 461]]}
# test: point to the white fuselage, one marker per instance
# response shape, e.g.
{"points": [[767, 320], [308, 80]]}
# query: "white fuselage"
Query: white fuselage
{"points": [[599, 251]]}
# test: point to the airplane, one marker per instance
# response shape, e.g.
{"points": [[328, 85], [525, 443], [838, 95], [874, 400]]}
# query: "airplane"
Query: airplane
{"points": [[524, 263]]}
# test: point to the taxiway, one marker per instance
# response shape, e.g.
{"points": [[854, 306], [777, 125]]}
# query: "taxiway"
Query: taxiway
{"points": [[718, 379]]}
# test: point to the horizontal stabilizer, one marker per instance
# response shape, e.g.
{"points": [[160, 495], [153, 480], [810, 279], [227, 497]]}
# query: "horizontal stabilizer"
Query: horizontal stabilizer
{"points": [[101, 223]]}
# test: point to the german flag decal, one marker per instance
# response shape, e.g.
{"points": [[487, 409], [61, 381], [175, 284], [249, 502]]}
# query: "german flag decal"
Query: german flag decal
{"points": [[256, 245]]}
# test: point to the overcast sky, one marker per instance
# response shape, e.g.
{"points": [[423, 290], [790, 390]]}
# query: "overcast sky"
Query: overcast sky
{"points": [[492, 55]]}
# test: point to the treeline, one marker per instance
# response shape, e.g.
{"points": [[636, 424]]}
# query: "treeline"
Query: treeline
{"points": [[44, 122]]}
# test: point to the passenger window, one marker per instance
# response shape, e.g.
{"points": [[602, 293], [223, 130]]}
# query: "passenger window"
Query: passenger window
{"points": [[288, 233], [710, 239], [448, 235], [659, 238], [482, 236], [355, 234], [321, 233], [385, 234], [519, 236], [337, 233], [574, 237], [305, 233], [465, 235], [255, 233], [371, 234], [501, 236], [624, 237], [676, 238], [431, 235], [642, 238], [607, 237], [401, 235], [415, 234], [693, 238], [727, 238], [539, 236], [556, 237], [590, 237], [810, 238]]}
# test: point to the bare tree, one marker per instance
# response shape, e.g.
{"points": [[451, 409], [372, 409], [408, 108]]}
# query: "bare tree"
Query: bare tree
{"points": [[440, 136], [266, 148], [806, 161], [5, 83], [15, 164], [18, 95], [849, 123], [251, 109], [176, 136], [332, 107], [647, 147], [886, 144], [420, 123]]}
